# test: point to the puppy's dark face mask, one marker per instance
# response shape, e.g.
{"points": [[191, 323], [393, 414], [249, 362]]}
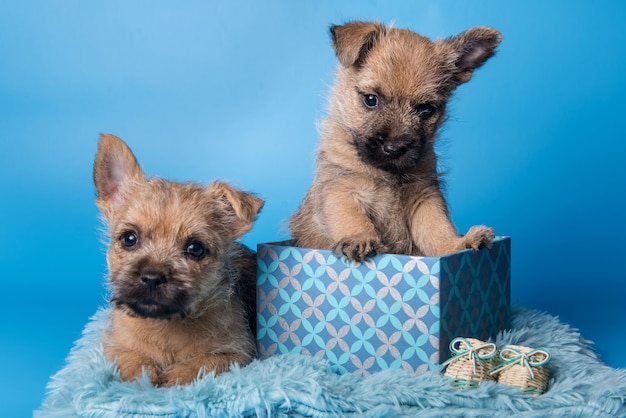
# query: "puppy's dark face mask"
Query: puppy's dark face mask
{"points": [[395, 133]]}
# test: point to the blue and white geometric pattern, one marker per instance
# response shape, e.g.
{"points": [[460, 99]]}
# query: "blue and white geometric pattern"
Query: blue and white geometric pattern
{"points": [[383, 313]]}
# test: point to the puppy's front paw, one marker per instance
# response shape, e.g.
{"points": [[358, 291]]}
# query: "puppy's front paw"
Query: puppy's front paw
{"points": [[185, 373], [358, 248], [478, 237], [180, 374], [130, 371]]}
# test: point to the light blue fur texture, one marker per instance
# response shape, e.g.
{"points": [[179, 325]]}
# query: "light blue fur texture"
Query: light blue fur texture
{"points": [[294, 385]]}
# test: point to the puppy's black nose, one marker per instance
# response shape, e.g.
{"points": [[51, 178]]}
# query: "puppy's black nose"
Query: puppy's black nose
{"points": [[152, 279], [389, 148], [393, 149]]}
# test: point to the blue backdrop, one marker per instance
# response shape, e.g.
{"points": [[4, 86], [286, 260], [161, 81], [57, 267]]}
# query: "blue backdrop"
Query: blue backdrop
{"points": [[232, 90]]}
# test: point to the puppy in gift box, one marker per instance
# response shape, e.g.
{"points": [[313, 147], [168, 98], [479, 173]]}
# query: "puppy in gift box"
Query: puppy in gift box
{"points": [[377, 188]]}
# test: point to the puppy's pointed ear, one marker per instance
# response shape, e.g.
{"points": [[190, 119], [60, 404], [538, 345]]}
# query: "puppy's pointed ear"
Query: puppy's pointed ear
{"points": [[469, 50], [241, 208], [114, 169], [353, 41]]}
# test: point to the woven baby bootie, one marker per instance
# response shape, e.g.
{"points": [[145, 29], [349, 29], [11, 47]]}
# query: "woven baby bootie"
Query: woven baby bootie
{"points": [[470, 362], [524, 367]]}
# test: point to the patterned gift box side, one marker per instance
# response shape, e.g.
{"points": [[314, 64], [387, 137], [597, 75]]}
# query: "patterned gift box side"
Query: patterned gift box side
{"points": [[381, 314]]}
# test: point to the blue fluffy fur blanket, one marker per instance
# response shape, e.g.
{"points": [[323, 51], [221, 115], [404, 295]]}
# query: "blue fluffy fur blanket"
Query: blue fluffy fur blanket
{"points": [[295, 385]]}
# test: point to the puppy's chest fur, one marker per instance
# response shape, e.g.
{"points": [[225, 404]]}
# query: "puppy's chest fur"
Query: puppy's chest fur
{"points": [[380, 200], [175, 340]]}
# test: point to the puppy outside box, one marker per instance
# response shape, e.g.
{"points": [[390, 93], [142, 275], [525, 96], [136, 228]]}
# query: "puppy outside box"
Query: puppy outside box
{"points": [[391, 311], [182, 286]]}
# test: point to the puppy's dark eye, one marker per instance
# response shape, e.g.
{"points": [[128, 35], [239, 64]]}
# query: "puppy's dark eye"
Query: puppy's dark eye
{"points": [[129, 239], [196, 249], [370, 100], [425, 110]]}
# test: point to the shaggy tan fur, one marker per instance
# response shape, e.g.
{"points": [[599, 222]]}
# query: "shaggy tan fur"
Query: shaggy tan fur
{"points": [[376, 187], [183, 289]]}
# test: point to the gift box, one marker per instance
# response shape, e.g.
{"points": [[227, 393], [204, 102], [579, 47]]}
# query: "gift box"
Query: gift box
{"points": [[392, 311]]}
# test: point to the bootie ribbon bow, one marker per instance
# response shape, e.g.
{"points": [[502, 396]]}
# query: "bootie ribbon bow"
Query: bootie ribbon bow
{"points": [[512, 356], [460, 347]]}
